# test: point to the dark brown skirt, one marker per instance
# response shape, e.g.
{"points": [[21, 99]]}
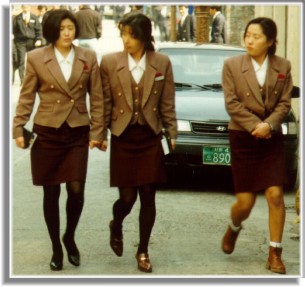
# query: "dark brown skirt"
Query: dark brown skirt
{"points": [[136, 157], [257, 163], [59, 155]]}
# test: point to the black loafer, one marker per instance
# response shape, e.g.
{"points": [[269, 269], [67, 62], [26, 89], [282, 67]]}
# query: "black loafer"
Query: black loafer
{"points": [[116, 241], [73, 253], [56, 262]]}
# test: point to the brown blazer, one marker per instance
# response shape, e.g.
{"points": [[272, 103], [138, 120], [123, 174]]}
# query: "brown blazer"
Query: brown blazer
{"points": [[61, 101], [158, 103], [243, 98]]}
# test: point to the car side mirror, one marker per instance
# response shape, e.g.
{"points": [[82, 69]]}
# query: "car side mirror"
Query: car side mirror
{"points": [[295, 92]]}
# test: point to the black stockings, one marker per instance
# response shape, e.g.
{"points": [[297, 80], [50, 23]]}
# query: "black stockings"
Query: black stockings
{"points": [[123, 206], [74, 208]]}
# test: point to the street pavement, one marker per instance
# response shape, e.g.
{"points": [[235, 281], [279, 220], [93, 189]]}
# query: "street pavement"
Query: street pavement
{"points": [[185, 242]]}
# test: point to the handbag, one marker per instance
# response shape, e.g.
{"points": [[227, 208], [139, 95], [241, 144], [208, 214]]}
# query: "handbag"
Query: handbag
{"points": [[29, 137]]}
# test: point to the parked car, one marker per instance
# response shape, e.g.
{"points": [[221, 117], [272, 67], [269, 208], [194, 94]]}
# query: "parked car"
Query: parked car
{"points": [[202, 118]]}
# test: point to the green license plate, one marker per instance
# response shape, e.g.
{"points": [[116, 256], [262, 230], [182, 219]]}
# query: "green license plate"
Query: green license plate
{"points": [[216, 155]]}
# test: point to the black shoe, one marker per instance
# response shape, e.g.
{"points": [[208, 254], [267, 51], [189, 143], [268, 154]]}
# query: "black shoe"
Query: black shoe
{"points": [[73, 253], [116, 240], [56, 261]]}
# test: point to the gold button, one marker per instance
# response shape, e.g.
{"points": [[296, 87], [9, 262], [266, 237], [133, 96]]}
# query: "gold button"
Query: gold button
{"points": [[52, 86], [80, 86], [119, 94], [261, 90], [136, 100], [137, 88], [58, 101], [136, 113], [155, 92], [154, 109], [72, 101], [275, 92], [121, 111], [248, 94]]}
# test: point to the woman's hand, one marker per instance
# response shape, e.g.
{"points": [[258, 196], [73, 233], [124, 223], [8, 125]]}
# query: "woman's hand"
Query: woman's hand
{"points": [[93, 144], [104, 145], [19, 142], [262, 131]]}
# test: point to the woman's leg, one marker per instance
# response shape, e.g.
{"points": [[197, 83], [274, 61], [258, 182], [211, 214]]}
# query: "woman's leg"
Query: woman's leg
{"points": [[74, 207], [240, 211], [121, 208], [277, 214], [52, 219], [147, 215]]}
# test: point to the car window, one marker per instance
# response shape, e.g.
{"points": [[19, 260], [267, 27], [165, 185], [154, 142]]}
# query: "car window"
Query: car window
{"points": [[198, 66]]}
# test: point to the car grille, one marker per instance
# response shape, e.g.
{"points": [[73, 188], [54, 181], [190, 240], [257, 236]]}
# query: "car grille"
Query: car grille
{"points": [[210, 128]]}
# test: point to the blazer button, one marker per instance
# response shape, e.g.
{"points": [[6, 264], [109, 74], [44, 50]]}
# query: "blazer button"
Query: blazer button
{"points": [[248, 94], [121, 111], [58, 101], [136, 101], [80, 86], [136, 113], [72, 101], [137, 88], [275, 92], [52, 86], [154, 109], [155, 92], [119, 94]]}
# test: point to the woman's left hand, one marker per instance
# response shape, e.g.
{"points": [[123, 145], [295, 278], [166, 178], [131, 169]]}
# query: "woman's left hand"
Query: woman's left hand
{"points": [[93, 144], [262, 131]]}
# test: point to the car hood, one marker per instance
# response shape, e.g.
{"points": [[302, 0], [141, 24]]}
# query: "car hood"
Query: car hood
{"points": [[200, 105]]}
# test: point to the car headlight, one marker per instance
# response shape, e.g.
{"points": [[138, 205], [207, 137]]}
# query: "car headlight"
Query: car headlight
{"points": [[289, 128], [184, 126]]}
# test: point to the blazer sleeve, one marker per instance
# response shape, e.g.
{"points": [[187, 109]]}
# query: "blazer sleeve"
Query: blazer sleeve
{"points": [[104, 74], [283, 105], [167, 104], [238, 112], [96, 103], [26, 100]]}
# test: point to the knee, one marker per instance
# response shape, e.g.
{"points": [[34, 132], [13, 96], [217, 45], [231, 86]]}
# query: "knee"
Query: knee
{"points": [[275, 198]]}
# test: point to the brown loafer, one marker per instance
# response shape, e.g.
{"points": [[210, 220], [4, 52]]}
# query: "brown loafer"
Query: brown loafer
{"points": [[144, 262], [116, 242], [229, 240]]}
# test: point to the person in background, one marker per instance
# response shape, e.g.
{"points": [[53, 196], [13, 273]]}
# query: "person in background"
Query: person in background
{"points": [[27, 35], [42, 9], [139, 100], [90, 29], [186, 31], [219, 31], [62, 75], [257, 88]]}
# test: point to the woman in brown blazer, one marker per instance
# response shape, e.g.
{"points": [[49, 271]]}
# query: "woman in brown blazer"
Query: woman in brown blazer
{"points": [[62, 75], [139, 100], [257, 88]]}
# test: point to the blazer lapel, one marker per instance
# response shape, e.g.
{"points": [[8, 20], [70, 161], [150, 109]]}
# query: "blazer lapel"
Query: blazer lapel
{"points": [[149, 78], [78, 67], [54, 68], [250, 77], [124, 78]]}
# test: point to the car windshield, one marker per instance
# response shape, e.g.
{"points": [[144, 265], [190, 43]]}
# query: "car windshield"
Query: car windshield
{"points": [[198, 66]]}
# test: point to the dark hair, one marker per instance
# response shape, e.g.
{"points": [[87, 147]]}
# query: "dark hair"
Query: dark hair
{"points": [[269, 29], [217, 8], [141, 28], [51, 27]]}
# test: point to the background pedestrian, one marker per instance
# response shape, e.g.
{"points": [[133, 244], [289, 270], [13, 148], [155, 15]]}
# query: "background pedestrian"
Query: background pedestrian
{"points": [[186, 31], [219, 31]]}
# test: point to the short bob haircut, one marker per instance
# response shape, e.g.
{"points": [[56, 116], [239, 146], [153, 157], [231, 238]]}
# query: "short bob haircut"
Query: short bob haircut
{"points": [[269, 29], [140, 26], [51, 27]]}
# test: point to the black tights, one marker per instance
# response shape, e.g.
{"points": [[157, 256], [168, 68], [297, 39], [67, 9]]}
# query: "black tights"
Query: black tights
{"points": [[74, 206], [124, 204]]}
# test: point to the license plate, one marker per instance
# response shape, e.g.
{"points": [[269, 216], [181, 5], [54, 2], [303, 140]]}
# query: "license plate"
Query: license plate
{"points": [[216, 155]]}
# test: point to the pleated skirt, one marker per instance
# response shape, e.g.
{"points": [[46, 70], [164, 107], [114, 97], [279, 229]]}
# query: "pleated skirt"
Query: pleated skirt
{"points": [[257, 163], [59, 155], [136, 157]]}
